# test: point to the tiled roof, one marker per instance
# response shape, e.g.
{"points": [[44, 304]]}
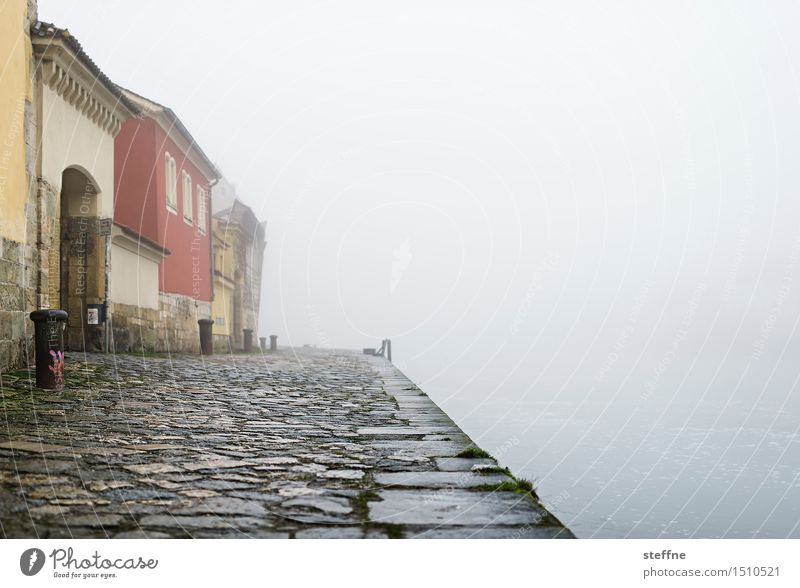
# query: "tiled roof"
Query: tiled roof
{"points": [[149, 105], [49, 30], [241, 214]]}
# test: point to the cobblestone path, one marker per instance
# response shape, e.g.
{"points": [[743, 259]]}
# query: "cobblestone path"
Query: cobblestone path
{"points": [[306, 444]]}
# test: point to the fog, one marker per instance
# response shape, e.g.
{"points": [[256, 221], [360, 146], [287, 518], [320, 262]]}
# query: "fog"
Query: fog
{"points": [[543, 205]]}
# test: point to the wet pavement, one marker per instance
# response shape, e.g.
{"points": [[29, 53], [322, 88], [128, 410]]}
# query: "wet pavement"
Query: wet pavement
{"points": [[295, 444]]}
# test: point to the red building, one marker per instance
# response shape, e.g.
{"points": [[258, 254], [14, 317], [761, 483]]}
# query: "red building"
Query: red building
{"points": [[162, 215]]}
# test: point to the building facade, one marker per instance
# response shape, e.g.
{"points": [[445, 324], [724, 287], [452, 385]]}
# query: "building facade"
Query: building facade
{"points": [[18, 251], [106, 209], [239, 243], [59, 117], [162, 219], [224, 290], [79, 113]]}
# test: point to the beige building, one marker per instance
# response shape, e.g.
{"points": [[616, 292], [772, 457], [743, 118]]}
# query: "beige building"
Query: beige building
{"points": [[239, 242], [79, 112], [58, 117]]}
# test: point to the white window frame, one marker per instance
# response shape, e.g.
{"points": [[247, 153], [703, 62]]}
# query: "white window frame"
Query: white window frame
{"points": [[202, 209], [188, 209], [171, 179]]}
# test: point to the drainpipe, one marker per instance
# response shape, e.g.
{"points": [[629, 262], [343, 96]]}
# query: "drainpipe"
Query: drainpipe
{"points": [[106, 332], [210, 234]]}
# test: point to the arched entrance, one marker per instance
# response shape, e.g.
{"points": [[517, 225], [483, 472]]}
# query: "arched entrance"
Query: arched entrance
{"points": [[83, 262]]}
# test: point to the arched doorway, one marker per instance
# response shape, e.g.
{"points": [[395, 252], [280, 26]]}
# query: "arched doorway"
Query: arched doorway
{"points": [[82, 261]]}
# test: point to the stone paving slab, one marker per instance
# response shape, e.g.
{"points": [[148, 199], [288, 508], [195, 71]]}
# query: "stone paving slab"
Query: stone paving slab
{"points": [[294, 444], [440, 479], [455, 507]]}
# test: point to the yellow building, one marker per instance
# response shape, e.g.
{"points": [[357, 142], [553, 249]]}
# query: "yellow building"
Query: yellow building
{"points": [[59, 114], [17, 160], [238, 242], [15, 91], [222, 306]]}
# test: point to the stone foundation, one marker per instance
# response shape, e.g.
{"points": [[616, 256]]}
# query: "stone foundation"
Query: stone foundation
{"points": [[172, 328], [223, 344], [16, 331], [134, 329], [180, 315]]}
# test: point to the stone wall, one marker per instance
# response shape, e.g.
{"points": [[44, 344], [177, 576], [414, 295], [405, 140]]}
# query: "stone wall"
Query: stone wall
{"points": [[223, 344], [16, 337], [172, 328], [180, 315], [134, 329]]}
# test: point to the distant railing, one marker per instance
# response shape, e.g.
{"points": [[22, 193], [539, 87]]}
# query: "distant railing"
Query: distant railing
{"points": [[384, 351]]}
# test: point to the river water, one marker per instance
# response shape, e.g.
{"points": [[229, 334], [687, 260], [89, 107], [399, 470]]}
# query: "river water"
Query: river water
{"points": [[672, 468]]}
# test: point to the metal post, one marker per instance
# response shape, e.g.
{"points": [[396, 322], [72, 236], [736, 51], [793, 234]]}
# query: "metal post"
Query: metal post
{"points": [[206, 336], [263, 342], [248, 340], [49, 342], [389, 349], [273, 342]]}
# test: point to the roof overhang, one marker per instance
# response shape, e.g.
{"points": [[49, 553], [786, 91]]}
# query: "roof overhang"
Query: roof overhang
{"points": [[177, 131], [68, 71], [240, 217], [132, 241]]}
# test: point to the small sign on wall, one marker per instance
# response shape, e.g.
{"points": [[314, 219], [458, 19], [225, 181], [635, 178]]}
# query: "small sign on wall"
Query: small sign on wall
{"points": [[95, 314]]}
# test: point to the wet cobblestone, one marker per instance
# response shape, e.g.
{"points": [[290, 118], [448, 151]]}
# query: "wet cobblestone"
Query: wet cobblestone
{"points": [[299, 443]]}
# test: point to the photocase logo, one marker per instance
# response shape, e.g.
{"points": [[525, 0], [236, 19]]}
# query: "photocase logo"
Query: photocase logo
{"points": [[401, 260], [31, 561]]}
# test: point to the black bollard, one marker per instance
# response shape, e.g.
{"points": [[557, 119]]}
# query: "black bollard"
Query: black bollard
{"points": [[49, 342], [248, 340], [263, 342], [206, 337], [273, 342]]}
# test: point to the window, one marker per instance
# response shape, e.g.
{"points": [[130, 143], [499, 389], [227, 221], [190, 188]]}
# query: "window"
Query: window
{"points": [[201, 210], [220, 320], [187, 197], [171, 178]]}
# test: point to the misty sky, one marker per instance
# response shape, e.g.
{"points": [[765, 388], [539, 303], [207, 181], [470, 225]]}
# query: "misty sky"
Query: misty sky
{"points": [[531, 199]]}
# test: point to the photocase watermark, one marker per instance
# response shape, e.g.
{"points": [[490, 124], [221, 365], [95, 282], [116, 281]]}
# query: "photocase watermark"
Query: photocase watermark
{"points": [[680, 335], [504, 448], [317, 180], [401, 259], [79, 250], [67, 565], [549, 505], [547, 266], [7, 149], [195, 248], [743, 234], [80, 241], [627, 331], [316, 325], [31, 561], [780, 299]]}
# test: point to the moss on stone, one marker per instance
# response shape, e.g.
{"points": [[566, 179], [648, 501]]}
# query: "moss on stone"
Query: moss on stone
{"points": [[473, 452]]}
